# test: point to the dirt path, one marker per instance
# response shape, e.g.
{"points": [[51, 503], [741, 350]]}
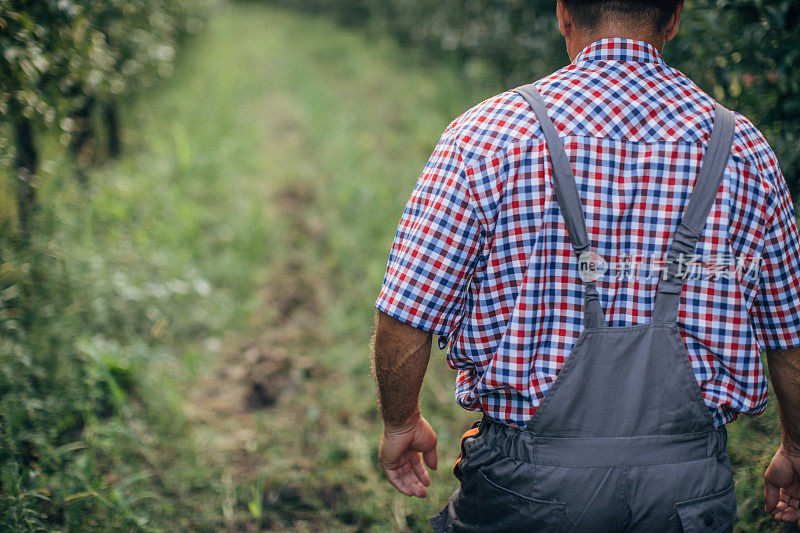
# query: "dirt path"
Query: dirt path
{"points": [[259, 377], [330, 137]]}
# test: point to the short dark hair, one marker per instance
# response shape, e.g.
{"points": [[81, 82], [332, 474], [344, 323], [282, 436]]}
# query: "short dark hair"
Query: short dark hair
{"points": [[589, 13]]}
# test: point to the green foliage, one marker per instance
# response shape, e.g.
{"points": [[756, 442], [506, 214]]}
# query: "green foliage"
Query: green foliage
{"points": [[182, 252], [745, 53], [174, 248], [504, 39], [55, 53], [59, 58], [79, 330], [84, 421]]}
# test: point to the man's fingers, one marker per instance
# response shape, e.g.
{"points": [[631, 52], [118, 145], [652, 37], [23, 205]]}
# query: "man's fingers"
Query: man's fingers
{"points": [[410, 477], [397, 483], [431, 459], [787, 498], [400, 458], [787, 509], [771, 497], [780, 484], [401, 482], [793, 491], [413, 485], [790, 514], [419, 470]]}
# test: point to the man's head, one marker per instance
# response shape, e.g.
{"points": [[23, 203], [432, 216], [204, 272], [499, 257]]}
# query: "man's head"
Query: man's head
{"points": [[584, 21]]}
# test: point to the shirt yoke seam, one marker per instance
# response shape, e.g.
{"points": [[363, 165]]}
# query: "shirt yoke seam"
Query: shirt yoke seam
{"points": [[523, 141]]}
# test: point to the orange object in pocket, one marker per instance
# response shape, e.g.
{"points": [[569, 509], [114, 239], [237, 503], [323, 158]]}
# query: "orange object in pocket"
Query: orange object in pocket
{"points": [[471, 432]]}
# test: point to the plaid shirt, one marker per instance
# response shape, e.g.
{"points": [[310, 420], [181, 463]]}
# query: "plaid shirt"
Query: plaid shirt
{"points": [[482, 256]]}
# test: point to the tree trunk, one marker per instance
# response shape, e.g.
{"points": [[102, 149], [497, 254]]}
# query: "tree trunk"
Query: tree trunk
{"points": [[26, 163], [82, 145], [111, 119]]}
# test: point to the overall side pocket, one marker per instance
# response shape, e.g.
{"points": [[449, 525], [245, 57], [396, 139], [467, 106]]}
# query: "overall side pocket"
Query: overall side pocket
{"points": [[460, 508], [502, 509], [714, 513]]}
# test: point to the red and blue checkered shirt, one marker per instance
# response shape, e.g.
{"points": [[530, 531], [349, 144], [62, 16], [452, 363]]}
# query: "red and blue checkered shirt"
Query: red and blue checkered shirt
{"points": [[482, 255]]}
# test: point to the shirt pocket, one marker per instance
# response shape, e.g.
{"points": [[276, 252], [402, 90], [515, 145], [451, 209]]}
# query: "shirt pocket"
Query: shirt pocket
{"points": [[714, 513]]}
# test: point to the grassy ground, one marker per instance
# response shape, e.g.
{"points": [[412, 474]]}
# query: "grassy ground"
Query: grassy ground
{"points": [[223, 276]]}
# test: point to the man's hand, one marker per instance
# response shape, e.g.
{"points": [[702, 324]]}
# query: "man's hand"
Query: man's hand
{"points": [[782, 478], [399, 456], [782, 486], [400, 356]]}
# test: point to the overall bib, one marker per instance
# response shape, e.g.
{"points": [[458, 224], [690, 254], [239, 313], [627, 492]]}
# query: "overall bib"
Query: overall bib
{"points": [[623, 440]]}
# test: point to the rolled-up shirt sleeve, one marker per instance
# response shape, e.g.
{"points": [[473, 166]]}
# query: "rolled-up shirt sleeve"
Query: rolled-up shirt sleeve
{"points": [[776, 313], [435, 248]]}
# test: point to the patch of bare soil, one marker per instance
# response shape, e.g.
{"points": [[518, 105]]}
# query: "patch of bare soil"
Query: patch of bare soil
{"points": [[263, 372]]}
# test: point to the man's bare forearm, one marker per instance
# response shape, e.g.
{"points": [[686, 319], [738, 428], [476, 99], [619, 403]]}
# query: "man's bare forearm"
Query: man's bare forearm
{"points": [[784, 370], [400, 358]]}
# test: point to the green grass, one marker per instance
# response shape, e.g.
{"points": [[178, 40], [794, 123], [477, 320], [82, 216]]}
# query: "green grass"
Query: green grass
{"points": [[244, 234]]}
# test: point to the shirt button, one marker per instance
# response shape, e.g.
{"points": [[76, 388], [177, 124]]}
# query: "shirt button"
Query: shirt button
{"points": [[709, 519]]}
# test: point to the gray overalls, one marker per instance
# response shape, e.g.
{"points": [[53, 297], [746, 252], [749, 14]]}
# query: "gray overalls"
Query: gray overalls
{"points": [[623, 440]]}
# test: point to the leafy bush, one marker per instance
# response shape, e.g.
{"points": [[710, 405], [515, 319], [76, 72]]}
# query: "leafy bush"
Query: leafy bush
{"points": [[72, 325], [80, 426], [62, 59], [746, 53]]}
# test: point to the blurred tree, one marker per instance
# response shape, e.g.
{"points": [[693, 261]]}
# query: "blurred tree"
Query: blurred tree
{"points": [[25, 63], [745, 53], [60, 62], [60, 59]]}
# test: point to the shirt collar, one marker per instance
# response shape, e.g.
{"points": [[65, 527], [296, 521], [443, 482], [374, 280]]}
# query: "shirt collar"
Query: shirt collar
{"points": [[619, 49]]}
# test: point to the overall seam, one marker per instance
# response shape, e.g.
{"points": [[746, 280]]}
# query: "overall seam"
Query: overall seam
{"points": [[556, 384], [624, 504], [699, 398]]}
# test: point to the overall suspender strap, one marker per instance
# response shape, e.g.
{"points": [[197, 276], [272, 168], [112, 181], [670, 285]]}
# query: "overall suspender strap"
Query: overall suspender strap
{"points": [[569, 202], [694, 218]]}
